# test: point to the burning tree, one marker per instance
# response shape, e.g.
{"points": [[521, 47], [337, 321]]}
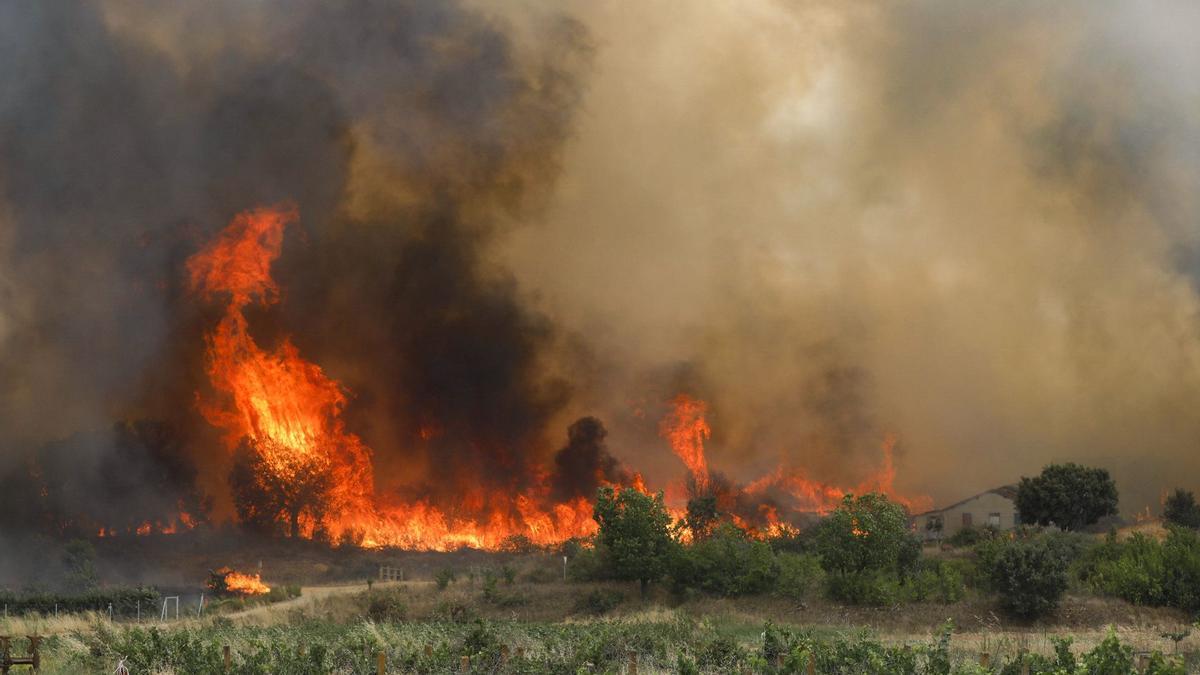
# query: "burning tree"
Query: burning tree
{"points": [[266, 497]]}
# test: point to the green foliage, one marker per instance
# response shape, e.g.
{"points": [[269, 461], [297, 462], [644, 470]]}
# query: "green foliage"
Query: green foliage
{"points": [[387, 606], [701, 516], [867, 533], [1145, 571], [1067, 495], [79, 559], [680, 645], [727, 563], [509, 573], [1181, 509], [866, 547], [599, 601], [586, 565], [1030, 577], [872, 588], [970, 536], [936, 580], [444, 577], [124, 601], [798, 575], [634, 539]]}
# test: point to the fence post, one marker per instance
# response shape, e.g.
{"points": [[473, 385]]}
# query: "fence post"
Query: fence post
{"points": [[503, 655], [227, 658], [428, 651], [812, 665], [633, 664], [381, 663], [464, 664], [984, 659]]}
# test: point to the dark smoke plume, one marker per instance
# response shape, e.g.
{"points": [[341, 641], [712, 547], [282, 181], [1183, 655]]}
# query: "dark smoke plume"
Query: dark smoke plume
{"points": [[408, 133], [584, 463]]}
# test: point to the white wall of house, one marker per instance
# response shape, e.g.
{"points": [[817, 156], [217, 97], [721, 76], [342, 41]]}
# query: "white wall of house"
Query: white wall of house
{"points": [[988, 508]]}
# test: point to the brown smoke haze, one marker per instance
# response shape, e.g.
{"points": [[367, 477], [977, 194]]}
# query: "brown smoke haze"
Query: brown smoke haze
{"points": [[973, 226], [970, 224]]}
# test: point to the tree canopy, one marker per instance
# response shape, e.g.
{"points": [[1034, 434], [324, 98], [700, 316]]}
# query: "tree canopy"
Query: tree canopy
{"points": [[1181, 509], [1067, 495], [867, 533], [634, 538]]}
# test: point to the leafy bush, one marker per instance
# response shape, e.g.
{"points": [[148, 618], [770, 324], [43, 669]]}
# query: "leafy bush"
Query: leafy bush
{"points": [[727, 563], [870, 588], [1181, 509], [1144, 571], [1029, 575], [936, 581], [124, 601], [444, 577], [599, 601], [970, 536], [798, 575], [387, 606]]}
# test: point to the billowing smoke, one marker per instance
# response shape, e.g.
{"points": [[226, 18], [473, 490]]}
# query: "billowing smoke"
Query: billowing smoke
{"points": [[408, 134], [584, 463], [971, 225]]}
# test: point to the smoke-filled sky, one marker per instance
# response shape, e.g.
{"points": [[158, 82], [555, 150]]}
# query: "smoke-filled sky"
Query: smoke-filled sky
{"points": [[971, 225], [974, 225]]}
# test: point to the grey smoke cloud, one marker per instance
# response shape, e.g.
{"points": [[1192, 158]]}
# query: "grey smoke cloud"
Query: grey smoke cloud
{"points": [[969, 224]]}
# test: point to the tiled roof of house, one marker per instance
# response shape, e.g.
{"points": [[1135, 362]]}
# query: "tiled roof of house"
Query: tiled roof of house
{"points": [[1006, 491]]}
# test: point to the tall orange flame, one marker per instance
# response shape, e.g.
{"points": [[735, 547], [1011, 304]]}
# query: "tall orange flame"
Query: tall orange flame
{"points": [[686, 429]]}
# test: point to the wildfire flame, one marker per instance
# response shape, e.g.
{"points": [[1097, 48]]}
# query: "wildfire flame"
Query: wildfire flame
{"points": [[686, 429], [239, 583], [290, 412]]}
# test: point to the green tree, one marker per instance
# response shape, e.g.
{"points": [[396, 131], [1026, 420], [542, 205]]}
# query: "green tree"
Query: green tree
{"points": [[866, 547], [79, 559], [1067, 495], [701, 516], [1029, 575], [1181, 509], [867, 533], [634, 538]]}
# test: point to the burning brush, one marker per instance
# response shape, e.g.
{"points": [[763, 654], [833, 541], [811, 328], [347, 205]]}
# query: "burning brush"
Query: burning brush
{"points": [[224, 581]]}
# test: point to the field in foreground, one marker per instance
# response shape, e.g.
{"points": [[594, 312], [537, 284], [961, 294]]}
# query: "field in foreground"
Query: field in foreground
{"points": [[570, 628]]}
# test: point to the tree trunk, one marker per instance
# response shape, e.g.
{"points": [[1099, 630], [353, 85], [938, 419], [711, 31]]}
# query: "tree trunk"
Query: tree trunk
{"points": [[294, 518]]}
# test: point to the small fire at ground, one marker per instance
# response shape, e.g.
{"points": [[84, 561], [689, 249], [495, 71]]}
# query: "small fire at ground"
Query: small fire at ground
{"points": [[225, 581]]}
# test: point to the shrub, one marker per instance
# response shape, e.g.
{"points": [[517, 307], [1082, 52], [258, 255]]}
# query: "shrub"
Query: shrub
{"points": [[599, 601], [1181, 509], [586, 565], [387, 606], [1144, 571], [798, 575], [970, 536], [727, 563], [444, 577], [936, 581], [870, 588], [865, 533], [1030, 577]]}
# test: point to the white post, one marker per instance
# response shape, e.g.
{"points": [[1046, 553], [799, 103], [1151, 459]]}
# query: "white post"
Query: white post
{"points": [[139, 611], [201, 605], [564, 568]]}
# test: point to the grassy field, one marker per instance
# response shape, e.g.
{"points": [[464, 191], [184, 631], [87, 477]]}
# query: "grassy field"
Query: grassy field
{"points": [[568, 628]]}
